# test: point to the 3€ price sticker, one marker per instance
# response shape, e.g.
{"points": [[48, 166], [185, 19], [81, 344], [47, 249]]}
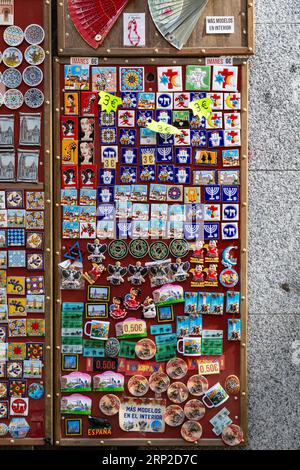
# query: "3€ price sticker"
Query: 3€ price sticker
{"points": [[163, 128], [201, 107], [109, 102]]}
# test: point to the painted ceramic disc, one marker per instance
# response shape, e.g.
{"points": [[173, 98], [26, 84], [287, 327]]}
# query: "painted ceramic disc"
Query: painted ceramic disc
{"points": [[194, 409], [232, 385], [197, 385], [138, 248], [12, 78], [34, 34], [232, 435], [178, 392], [3, 390], [3, 429], [36, 391], [13, 99], [159, 251], [138, 385], [174, 416], [191, 431], [112, 347], [12, 57], [117, 249], [109, 404], [229, 277], [13, 35], [1, 99], [33, 75], [34, 98], [34, 55], [179, 248], [159, 382], [176, 368], [145, 349]]}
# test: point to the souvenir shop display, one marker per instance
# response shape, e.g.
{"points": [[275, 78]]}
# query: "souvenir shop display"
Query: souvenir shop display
{"points": [[25, 224], [151, 208]]}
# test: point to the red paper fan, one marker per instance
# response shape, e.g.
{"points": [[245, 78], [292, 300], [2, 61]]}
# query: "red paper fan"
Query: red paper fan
{"points": [[93, 19]]}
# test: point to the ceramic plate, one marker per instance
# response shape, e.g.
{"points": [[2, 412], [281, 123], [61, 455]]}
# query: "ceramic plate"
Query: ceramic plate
{"points": [[194, 409], [232, 435], [32, 75], [178, 392], [13, 35], [176, 368], [34, 34], [12, 78], [197, 385], [12, 57], [191, 431], [109, 404], [13, 99], [34, 98], [159, 382], [145, 349], [138, 385], [34, 55], [174, 416]]}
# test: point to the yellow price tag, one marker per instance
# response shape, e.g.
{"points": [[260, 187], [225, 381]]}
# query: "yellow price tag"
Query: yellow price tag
{"points": [[201, 107], [208, 368], [163, 128], [109, 102]]}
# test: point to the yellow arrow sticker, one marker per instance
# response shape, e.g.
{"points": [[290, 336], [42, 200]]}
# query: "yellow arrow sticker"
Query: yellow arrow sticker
{"points": [[201, 107], [163, 128], [109, 102]]}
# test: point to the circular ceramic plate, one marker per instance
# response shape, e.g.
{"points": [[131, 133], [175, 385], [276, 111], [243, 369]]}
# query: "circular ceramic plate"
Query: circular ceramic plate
{"points": [[229, 278], [179, 248], [191, 431], [12, 78], [112, 347], [138, 385], [34, 55], [3, 429], [109, 404], [178, 392], [232, 385], [194, 409], [1, 99], [176, 368], [0, 57], [34, 98], [33, 75], [197, 385], [159, 382], [12, 57], [158, 251], [13, 35], [34, 34], [232, 435], [174, 416], [36, 391], [117, 249], [145, 349], [13, 99], [138, 248]]}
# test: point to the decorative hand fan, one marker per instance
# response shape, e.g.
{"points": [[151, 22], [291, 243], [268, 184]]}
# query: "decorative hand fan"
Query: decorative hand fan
{"points": [[93, 19], [176, 19]]}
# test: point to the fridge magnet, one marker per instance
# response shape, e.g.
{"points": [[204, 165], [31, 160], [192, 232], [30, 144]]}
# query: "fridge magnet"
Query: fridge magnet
{"points": [[174, 415], [169, 79], [104, 79], [232, 435], [34, 98], [7, 125], [197, 78], [12, 57], [71, 103], [13, 99], [232, 101], [232, 385], [178, 392], [138, 385], [76, 77], [76, 404], [34, 34], [191, 431], [7, 166], [109, 404], [234, 329], [225, 78], [28, 165], [73, 427], [76, 381], [132, 79], [34, 55]]}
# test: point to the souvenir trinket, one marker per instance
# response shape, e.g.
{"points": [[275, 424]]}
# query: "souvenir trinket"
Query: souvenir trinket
{"points": [[194, 410], [197, 385], [191, 431], [138, 385], [178, 392], [232, 385], [159, 382], [116, 273], [145, 349], [109, 404], [232, 435], [138, 273], [174, 415]]}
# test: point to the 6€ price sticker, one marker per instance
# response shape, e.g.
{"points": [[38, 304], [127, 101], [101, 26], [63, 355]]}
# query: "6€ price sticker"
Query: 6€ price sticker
{"points": [[163, 128], [109, 102], [201, 107], [208, 368]]}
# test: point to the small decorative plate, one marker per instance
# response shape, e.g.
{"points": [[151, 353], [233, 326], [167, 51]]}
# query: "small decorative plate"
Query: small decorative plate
{"points": [[178, 392], [159, 382], [34, 98], [12, 57], [109, 404], [145, 349], [34, 34], [176, 368], [13, 35], [3, 429], [33, 75], [138, 385], [13, 99], [197, 385], [191, 431], [36, 391], [0, 57], [174, 415], [1, 99], [12, 78], [194, 409], [232, 435], [34, 55]]}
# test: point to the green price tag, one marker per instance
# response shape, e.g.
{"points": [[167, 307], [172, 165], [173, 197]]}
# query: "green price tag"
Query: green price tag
{"points": [[163, 128], [109, 102], [201, 107]]}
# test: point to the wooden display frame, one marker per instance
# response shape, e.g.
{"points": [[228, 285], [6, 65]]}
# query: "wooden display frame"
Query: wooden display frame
{"points": [[70, 42], [61, 441], [48, 240]]}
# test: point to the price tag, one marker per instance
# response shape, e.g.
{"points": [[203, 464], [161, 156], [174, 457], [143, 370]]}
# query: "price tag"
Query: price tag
{"points": [[110, 163], [133, 327], [208, 368], [201, 107], [109, 102], [163, 128]]}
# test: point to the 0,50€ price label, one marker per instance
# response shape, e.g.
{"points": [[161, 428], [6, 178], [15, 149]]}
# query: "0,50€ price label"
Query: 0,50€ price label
{"points": [[208, 368], [109, 102]]}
